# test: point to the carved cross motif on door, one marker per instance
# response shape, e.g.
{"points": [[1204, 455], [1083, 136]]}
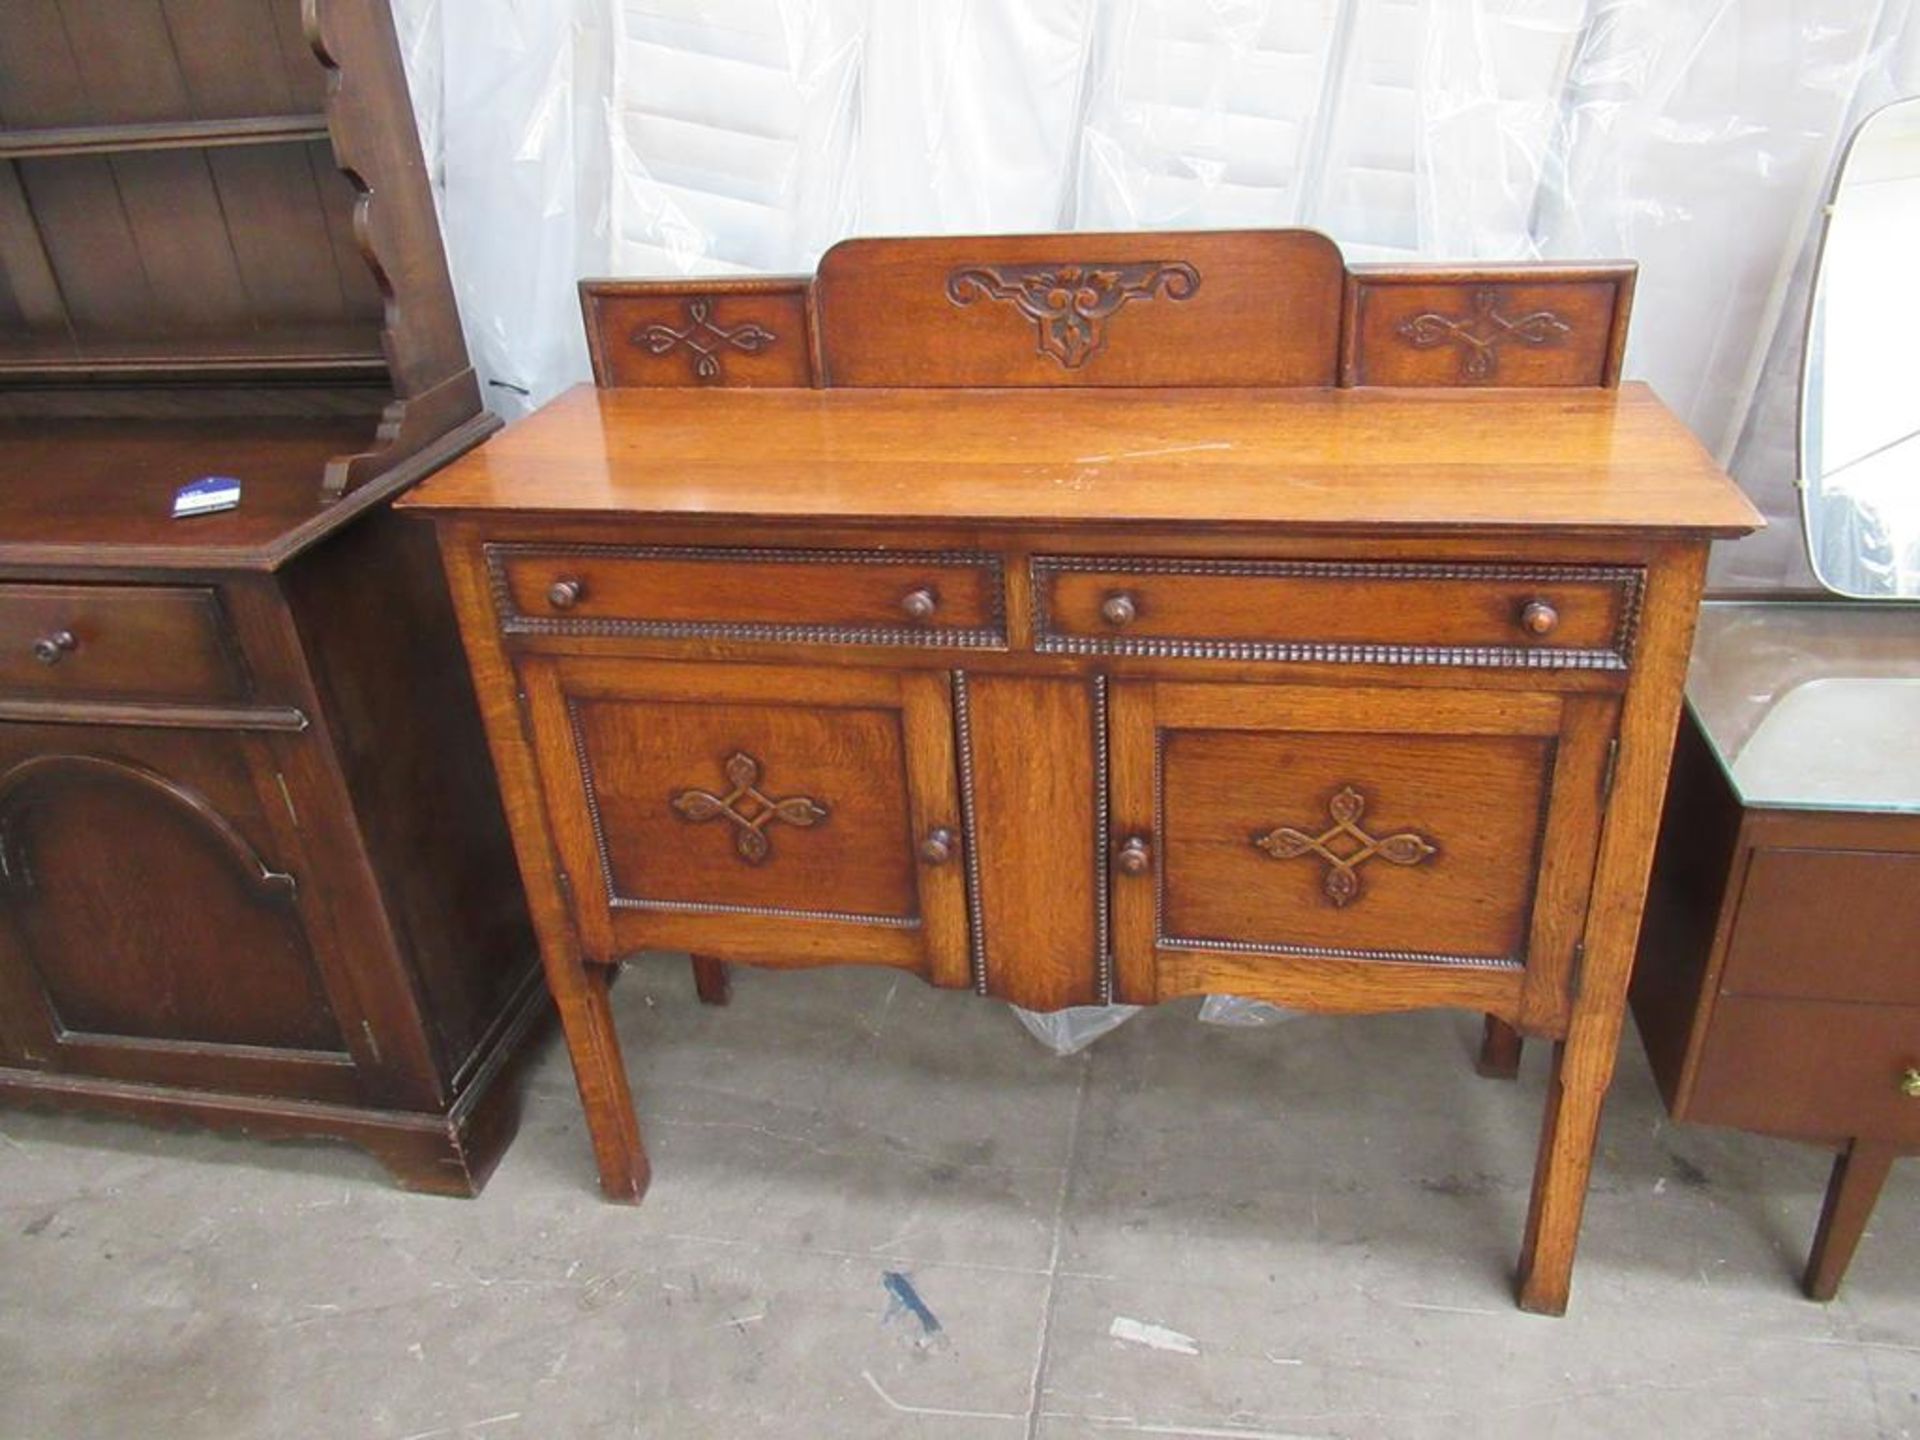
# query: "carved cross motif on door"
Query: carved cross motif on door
{"points": [[1069, 304], [1481, 333], [748, 808], [1356, 846]]}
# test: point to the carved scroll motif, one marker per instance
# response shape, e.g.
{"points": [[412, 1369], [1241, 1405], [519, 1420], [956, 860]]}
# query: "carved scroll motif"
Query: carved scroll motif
{"points": [[1481, 333], [1070, 304], [748, 808], [703, 339], [1356, 846]]}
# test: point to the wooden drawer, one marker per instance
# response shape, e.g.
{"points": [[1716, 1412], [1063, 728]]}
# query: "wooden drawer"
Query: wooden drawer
{"points": [[820, 597], [1337, 611], [1827, 925], [119, 642], [1812, 1069]]}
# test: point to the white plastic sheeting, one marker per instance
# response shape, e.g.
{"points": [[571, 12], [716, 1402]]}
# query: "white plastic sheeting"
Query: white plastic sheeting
{"points": [[688, 137]]}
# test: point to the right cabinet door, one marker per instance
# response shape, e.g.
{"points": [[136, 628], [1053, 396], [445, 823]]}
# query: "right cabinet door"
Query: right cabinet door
{"points": [[1355, 849]]}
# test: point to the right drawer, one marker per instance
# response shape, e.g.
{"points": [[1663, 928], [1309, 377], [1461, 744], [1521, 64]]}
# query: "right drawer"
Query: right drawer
{"points": [[1810, 1069], [1827, 925], [118, 642], [1353, 612]]}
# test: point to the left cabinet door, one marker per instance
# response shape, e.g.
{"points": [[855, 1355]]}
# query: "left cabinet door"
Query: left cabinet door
{"points": [[755, 813], [151, 925]]}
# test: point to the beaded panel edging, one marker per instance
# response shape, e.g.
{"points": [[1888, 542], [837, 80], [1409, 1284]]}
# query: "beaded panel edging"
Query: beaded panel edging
{"points": [[969, 846], [1631, 580], [916, 637]]}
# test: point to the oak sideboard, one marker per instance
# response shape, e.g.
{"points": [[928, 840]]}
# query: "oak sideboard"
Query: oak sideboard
{"points": [[1082, 618]]}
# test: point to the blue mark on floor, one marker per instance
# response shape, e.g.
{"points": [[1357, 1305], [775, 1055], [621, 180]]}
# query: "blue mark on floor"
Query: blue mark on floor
{"points": [[906, 1298]]}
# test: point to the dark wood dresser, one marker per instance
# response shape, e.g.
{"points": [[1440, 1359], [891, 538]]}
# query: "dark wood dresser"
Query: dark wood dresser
{"points": [[1076, 618], [1778, 988], [253, 868]]}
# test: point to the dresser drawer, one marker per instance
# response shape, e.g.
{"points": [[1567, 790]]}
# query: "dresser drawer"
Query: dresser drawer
{"points": [[822, 597], [117, 642], [1337, 611], [1812, 1069], [1825, 925]]}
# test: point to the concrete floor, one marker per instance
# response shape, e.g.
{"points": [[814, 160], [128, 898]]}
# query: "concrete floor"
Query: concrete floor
{"points": [[883, 1211]]}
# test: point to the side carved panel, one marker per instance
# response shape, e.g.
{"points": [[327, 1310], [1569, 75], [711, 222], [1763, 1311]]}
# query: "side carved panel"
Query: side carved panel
{"points": [[1481, 332], [704, 341]]}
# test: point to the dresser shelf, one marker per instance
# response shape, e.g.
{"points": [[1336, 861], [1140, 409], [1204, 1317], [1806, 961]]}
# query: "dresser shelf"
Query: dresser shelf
{"points": [[128, 136]]}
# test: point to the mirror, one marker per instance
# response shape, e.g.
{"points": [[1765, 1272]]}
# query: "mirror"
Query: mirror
{"points": [[1860, 391]]}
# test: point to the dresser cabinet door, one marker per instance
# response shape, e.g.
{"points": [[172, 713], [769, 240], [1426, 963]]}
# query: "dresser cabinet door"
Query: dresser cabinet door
{"points": [[1359, 849], [756, 813], [151, 920]]}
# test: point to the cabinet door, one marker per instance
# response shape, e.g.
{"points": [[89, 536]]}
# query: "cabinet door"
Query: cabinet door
{"points": [[755, 813], [151, 924], [1355, 849]]}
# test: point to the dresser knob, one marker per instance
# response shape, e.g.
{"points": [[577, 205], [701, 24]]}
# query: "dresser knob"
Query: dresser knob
{"points": [[938, 847], [1910, 1083], [565, 594], [1119, 610], [52, 649], [1537, 617], [920, 604], [1136, 855]]}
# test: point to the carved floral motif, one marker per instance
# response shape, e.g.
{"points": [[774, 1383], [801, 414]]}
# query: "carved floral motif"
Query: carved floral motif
{"points": [[1481, 333], [1343, 865], [1069, 304], [703, 339], [748, 808]]}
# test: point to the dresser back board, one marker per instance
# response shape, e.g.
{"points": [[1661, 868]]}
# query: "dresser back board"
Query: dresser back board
{"points": [[1271, 308]]}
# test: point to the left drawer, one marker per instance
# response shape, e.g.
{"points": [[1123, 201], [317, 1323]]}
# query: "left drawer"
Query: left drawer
{"points": [[117, 642], [934, 599]]}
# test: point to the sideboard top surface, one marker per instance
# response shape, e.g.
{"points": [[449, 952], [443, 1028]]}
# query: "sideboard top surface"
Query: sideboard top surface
{"points": [[1586, 459]]}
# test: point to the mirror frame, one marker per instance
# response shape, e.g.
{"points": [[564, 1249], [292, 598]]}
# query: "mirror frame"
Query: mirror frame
{"points": [[1815, 290]]}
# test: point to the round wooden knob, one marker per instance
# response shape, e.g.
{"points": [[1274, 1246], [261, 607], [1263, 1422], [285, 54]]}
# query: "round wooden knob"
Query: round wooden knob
{"points": [[52, 649], [1136, 855], [1537, 617], [920, 604], [1119, 610], [938, 847], [565, 594], [1910, 1083]]}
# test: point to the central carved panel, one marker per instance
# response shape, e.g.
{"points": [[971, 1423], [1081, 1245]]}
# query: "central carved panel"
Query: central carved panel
{"points": [[1069, 304], [749, 809], [1355, 846]]}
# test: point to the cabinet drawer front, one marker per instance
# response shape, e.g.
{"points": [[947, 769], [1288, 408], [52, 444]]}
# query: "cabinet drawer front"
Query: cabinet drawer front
{"points": [[1810, 1069], [1827, 925], [943, 599], [120, 642], [1338, 612]]}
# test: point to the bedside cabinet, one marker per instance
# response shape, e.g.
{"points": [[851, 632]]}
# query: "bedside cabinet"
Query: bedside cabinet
{"points": [[1778, 986]]}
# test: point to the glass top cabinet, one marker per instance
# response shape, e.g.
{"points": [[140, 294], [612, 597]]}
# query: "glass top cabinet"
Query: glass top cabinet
{"points": [[1778, 982]]}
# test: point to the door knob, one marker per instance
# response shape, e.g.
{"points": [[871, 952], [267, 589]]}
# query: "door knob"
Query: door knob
{"points": [[938, 847], [1136, 855], [1538, 617], [1910, 1083], [52, 649]]}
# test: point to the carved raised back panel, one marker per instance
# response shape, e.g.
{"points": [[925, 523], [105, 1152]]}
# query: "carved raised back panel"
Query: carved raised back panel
{"points": [[1152, 308]]}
